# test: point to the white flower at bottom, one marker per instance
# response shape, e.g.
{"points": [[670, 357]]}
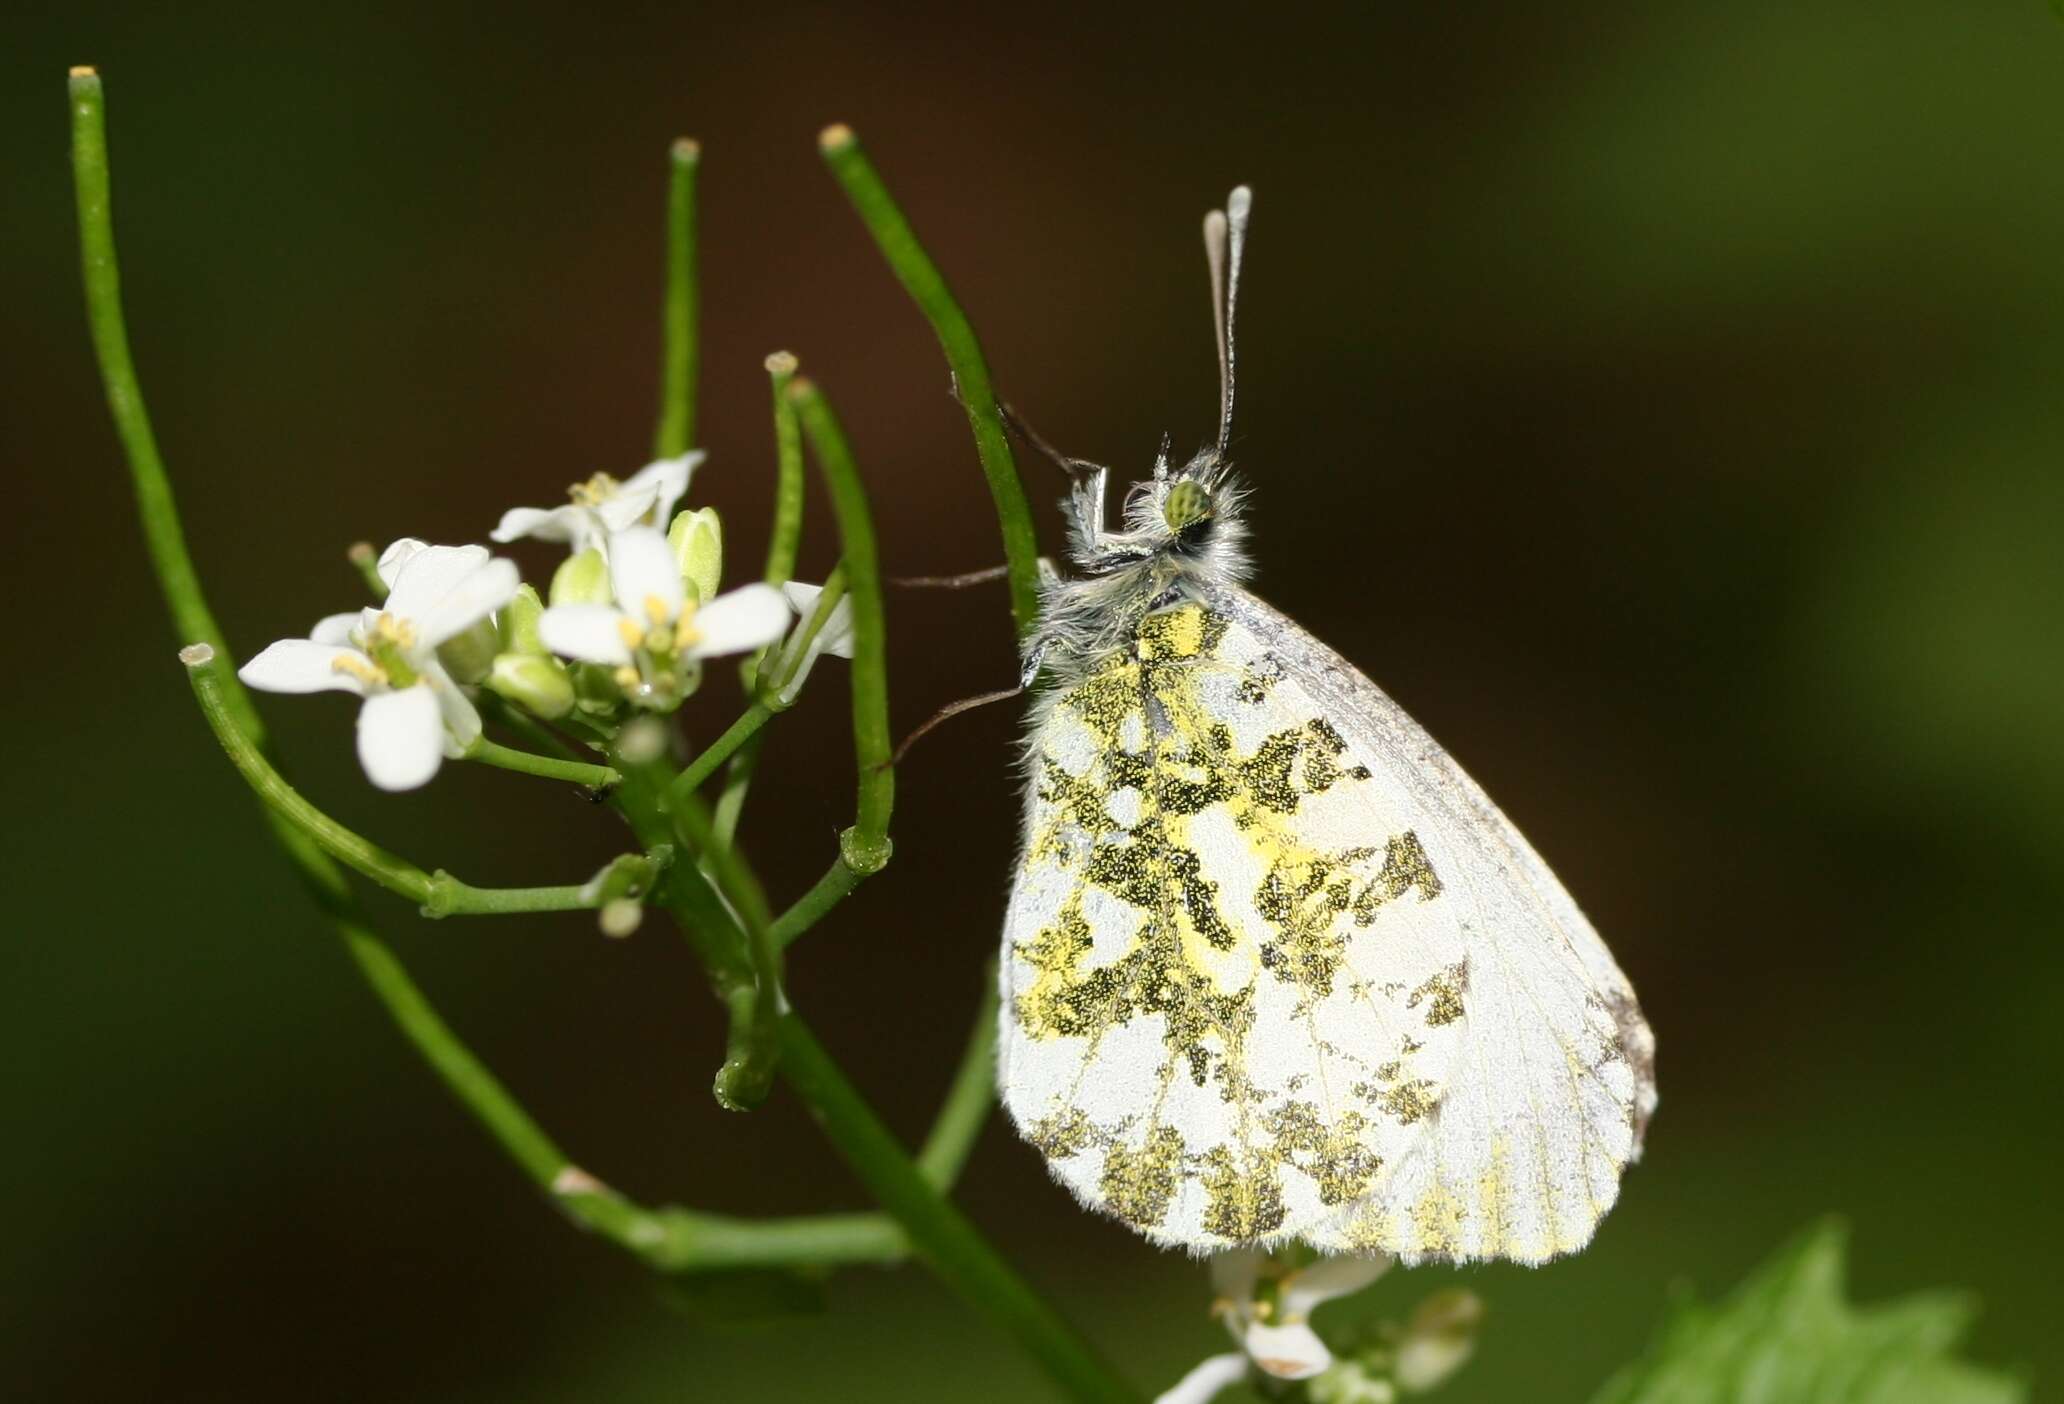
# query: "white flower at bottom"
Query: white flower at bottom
{"points": [[602, 506], [414, 714], [1273, 1327], [654, 636]]}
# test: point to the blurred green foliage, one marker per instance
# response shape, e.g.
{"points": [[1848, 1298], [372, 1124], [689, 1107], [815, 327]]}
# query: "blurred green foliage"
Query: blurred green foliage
{"points": [[1787, 1336]]}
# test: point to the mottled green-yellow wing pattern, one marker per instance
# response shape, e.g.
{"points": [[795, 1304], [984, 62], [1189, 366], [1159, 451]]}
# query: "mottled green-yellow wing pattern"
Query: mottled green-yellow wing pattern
{"points": [[1246, 966]]}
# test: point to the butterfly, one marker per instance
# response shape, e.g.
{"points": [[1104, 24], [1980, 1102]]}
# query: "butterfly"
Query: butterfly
{"points": [[1274, 968]]}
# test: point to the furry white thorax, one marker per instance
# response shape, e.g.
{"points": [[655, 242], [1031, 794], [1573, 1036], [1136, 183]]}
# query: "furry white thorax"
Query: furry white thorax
{"points": [[1128, 573]]}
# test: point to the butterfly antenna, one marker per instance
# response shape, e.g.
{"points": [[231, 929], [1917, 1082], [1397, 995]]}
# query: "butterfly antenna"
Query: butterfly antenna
{"points": [[1225, 243]]}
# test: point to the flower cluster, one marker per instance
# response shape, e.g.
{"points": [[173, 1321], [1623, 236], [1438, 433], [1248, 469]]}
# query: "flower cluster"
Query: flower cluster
{"points": [[1266, 1302], [624, 627]]}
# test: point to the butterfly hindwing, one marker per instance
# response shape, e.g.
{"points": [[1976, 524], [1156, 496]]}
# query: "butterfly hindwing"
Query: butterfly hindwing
{"points": [[1275, 969]]}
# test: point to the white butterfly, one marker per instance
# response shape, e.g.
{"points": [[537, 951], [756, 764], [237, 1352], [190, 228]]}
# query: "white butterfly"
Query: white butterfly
{"points": [[1275, 969]]}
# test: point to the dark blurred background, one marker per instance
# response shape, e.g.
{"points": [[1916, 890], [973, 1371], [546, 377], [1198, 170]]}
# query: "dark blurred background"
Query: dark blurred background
{"points": [[1661, 401]]}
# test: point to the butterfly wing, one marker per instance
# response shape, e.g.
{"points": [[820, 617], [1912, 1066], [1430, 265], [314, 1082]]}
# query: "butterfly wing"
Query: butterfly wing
{"points": [[1248, 994]]}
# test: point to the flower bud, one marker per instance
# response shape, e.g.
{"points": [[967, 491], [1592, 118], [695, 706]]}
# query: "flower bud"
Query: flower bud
{"points": [[519, 621], [582, 578], [1351, 1382], [698, 541], [468, 654], [1438, 1339], [540, 685], [620, 917]]}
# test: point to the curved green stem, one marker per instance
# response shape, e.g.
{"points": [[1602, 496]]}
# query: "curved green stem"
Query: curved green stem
{"points": [[467, 1078], [439, 894], [159, 513], [676, 432], [866, 845], [501, 710], [593, 777], [949, 1244], [210, 679], [966, 1106], [752, 1008], [921, 278], [718, 751], [809, 909], [737, 783]]}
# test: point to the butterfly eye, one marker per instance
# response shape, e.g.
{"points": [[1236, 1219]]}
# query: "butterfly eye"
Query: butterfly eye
{"points": [[1187, 504]]}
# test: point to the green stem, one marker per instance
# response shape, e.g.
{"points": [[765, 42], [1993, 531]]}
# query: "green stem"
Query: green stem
{"points": [[593, 777], [737, 782], [719, 750], [752, 1009], [969, 1097], [676, 433], [912, 1196], [783, 543], [921, 278], [866, 845], [366, 561], [950, 1245], [439, 894], [162, 533], [668, 1238], [212, 688], [830, 890], [787, 536], [501, 710]]}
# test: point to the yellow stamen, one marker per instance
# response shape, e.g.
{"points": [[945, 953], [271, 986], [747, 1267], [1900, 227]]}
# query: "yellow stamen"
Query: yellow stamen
{"points": [[372, 675], [656, 611], [626, 677], [686, 635], [393, 629], [630, 632], [594, 492]]}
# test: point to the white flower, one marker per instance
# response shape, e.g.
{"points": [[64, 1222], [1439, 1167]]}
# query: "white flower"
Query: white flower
{"points": [[602, 506], [414, 714], [835, 638], [654, 636], [1207, 1380], [1273, 1327]]}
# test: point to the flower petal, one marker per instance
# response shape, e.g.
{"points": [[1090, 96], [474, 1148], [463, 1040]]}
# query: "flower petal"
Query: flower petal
{"points": [[642, 566], [335, 629], [471, 599], [627, 507], [392, 559], [539, 523], [836, 637], [430, 574], [1287, 1352], [1234, 1273], [303, 665], [590, 632], [668, 477], [744, 619], [1205, 1382], [401, 738], [1328, 1278], [455, 708]]}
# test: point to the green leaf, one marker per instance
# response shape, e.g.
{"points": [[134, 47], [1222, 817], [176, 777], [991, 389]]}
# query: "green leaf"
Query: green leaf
{"points": [[1787, 1336]]}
